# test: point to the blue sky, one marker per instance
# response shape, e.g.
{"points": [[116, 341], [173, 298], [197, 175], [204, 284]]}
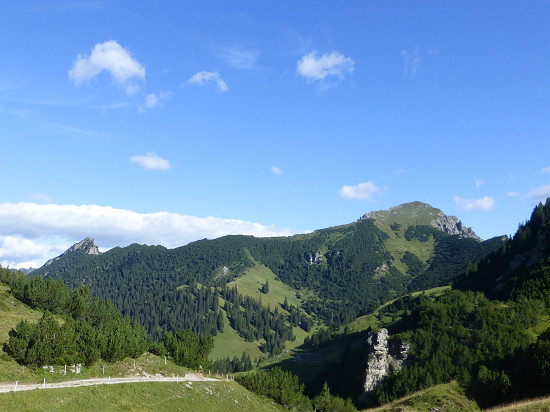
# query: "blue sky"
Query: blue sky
{"points": [[167, 122]]}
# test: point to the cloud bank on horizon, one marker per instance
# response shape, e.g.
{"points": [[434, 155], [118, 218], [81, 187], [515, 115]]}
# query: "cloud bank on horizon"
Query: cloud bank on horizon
{"points": [[33, 233]]}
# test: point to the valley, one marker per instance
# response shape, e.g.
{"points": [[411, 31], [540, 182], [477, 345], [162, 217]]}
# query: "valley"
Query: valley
{"points": [[306, 304]]}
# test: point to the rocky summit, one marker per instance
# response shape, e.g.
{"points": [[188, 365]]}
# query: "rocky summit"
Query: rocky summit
{"points": [[419, 213], [87, 246]]}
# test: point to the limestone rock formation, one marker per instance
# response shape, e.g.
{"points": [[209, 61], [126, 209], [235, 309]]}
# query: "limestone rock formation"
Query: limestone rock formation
{"points": [[453, 226], [315, 260], [385, 356], [87, 246]]}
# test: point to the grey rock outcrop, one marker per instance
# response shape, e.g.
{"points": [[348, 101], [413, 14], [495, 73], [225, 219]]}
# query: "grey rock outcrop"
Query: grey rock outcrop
{"points": [[453, 226], [87, 246], [385, 357], [315, 260]]}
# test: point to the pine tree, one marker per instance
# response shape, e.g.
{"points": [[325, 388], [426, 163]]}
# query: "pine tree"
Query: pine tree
{"points": [[265, 287]]}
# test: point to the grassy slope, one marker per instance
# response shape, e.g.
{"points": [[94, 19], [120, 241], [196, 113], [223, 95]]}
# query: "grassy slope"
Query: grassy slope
{"points": [[531, 405], [446, 397], [154, 396], [12, 312], [198, 396], [376, 320], [405, 215], [250, 283], [230, 343]]}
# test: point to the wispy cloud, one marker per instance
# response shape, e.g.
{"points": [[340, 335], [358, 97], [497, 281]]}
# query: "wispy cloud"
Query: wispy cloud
{"points": [[484, 203], [479, 182], [362, 191], [108, 56], [326, 69], [546, 169], [275, 170], [70, 129], [539, 194], [151, 161], [239, 58], [412, 61], [204, 77], [33, 233], [154, 100]]}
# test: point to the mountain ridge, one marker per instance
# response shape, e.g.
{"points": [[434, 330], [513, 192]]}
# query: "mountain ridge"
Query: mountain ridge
{"points": [[338, 272]]}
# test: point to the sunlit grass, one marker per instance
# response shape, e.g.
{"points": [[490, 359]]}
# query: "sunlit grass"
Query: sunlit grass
{"points": [[151, 396]]}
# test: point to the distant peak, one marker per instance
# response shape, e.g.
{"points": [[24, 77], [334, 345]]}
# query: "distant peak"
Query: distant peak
{"points": [[406, 209], [87, 246], [418, 213]]}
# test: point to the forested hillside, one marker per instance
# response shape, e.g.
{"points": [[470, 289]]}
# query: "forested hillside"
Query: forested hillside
{"points": [[521, 267], [78, 328], [498, 349], [346, 270]]}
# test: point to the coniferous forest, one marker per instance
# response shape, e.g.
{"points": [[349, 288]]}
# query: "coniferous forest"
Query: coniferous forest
{"points": [[489, 332]]}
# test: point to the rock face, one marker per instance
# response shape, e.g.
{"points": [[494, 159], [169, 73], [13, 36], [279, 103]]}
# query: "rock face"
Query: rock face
{"points": [[87, 246], [453, 226], [315, 260], [385, 356]]}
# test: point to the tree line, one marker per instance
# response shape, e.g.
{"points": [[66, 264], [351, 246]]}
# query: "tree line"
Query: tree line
{"points": [[78, 328]]}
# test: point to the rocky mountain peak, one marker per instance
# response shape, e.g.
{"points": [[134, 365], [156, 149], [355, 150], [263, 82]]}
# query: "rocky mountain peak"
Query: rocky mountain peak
{"points": [[87, 246], [418, 213]]}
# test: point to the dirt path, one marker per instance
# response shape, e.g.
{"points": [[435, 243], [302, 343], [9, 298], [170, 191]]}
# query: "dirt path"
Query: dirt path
{"points": [[16, 387]]}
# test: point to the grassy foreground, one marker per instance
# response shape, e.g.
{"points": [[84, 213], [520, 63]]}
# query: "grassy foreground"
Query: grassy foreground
{"points": [[448, 397], [153, 396]]}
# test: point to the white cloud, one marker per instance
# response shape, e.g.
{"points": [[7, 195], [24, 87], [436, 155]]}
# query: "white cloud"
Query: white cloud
{"points": [[399, 172], [33, 231], [484, 203], [479, 183], [539, 194], [239, 58], [412, 61], [202, 78], [546, 169], [113, 58], [275, 170], [324, 68], [19, 252], [363, 191], [512, 194], [151, 161]]}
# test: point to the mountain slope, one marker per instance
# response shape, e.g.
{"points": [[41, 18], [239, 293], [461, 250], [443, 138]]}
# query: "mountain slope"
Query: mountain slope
{"points": [[520, 267], [499, 351], [335, 273]]}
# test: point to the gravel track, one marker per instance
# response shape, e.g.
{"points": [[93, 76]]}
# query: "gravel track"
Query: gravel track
{"points": [[16, 387]]}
